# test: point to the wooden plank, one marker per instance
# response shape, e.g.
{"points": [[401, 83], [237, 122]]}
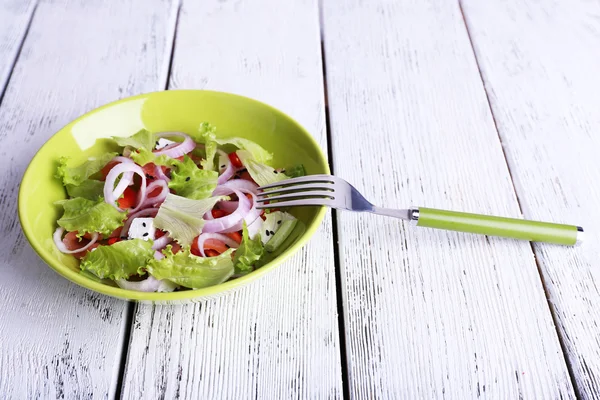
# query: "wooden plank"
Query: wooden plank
{"points": [[429, 313], [15, 16], [540, 64], [276, 338], [57, 339]]}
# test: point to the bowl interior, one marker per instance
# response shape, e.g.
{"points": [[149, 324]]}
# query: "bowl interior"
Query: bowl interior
{"points": [[179, 110]]}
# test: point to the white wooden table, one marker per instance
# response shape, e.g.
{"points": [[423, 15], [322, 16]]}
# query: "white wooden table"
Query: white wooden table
{"points": [[489, 107]]}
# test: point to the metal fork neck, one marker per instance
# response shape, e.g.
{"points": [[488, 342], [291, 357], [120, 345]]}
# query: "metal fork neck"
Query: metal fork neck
{"points": [[390, 212]]}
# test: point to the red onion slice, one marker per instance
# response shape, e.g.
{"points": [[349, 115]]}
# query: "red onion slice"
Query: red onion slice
{"points": [[150, 284], [57, 237], [233, 221], [126, 179], [239, 184], [161, 242], [148, 212], [158, 172], [223, 238], [156, 200], [111, 195], [227, 206], [228, 170], [178, 149]]}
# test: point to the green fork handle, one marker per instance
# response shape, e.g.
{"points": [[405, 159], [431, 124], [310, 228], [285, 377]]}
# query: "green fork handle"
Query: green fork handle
{"points": [[497, 226]]}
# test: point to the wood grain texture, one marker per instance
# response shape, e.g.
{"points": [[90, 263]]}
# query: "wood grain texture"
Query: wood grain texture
{"points": [[429, 314], [540, 64], [15, 16], [277, 338], [59, 340]]}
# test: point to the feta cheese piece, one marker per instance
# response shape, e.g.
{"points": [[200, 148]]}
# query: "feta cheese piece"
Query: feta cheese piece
{"points": [[162, 143], [142, 228]]}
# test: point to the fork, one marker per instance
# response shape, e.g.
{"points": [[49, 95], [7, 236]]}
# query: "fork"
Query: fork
{"points": [[334, 192]]}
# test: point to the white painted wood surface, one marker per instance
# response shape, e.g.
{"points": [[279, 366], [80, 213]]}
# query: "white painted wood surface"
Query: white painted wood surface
{"points": [[540, 62], [58, 340], [429, 314], [14, 19], [277, 338]]}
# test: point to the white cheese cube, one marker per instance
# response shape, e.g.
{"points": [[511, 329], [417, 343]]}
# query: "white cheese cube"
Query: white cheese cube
{"points": [[162, 142], [142, 228]]}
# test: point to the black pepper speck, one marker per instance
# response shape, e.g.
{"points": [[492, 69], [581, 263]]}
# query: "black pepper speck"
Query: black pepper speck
{"points": [[187, 179], [267, 232]]}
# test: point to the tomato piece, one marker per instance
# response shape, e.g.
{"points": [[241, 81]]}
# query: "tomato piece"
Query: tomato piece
{"points": [[159, 233], [104, 171], [113, 240], [237, 236], [216, 245], [72, 243], [218, 213], [211, 253], [129, 198], [235, 160], [176, 247], [180, 158], [194, 248]]}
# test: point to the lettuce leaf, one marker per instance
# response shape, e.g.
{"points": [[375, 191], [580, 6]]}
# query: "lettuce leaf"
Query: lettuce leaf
{"points": [[76, 175], [206, 134], [143, 139], [145, 156], [295, 171], [258, 153], [187, 270], [187, 180], [120, 260], [250, 251], [184, 218], [89, 189], [261, 173], [83, 215]]}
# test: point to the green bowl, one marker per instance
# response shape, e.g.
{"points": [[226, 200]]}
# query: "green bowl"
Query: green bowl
{"points": [[173, 110]]}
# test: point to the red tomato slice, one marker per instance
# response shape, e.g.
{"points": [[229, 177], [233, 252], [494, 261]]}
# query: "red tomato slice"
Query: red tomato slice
{"points": [[237, 236], [194, 247], [113, 240], [129, 198], [211, 253], [216, 245], [176, 247], [218, 213], [235, 160], [159, 233], [72, 243], [104, 171]]}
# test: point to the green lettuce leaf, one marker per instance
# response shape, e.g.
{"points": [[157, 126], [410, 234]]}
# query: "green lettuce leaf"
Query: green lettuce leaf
{"points": [[76, 175], [83, 215], [250, 251], [295, 171], [120, 260], [140, 140], [184, 218], [187, 270], [89, 189], [258, 153], [206, 134], [261, 173], [187, 180], [145, 156]]}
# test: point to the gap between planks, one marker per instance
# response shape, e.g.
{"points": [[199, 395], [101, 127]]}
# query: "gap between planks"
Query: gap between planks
{"points": [[17, 53], [131, 309], [510, 172]]}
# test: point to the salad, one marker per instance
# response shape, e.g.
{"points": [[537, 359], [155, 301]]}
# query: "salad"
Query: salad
{"points": [[172, 211]]}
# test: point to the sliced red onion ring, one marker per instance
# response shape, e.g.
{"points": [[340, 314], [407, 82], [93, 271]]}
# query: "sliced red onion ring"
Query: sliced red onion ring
{"points": [[223, 238], [148, 212], [232, 222], [155, 200], [227, 206], [158, 172], [161, 243], [61, 246], [150, 284], [249, 216], [126, 179], [179, 149], [228, 171], [239, 184], [111, 195]]}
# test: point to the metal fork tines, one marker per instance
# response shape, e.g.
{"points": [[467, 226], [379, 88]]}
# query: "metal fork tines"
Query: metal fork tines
{"points": [[312, 190]]}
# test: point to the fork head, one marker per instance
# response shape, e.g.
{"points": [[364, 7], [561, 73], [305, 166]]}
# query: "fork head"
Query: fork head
{"points": [[312, 190]]}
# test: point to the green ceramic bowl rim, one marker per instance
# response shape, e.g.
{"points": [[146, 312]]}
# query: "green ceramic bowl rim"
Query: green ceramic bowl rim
{"points": [[186, 294]]}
